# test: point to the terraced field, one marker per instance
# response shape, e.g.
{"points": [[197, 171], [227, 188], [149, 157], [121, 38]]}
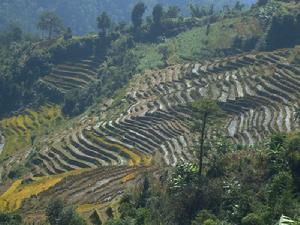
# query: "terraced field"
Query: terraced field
{"points": [[259, 92], [72, 75], [95, 186], [21, 131]]}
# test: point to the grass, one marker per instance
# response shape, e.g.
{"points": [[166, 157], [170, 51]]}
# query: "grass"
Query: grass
{"points": [[194, 44], [20, 131], [12, 199]]}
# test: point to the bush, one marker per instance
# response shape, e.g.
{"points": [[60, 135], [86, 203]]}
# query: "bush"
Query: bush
{"points": [[204, 217], [252, 219], [294, 160], [58, 214], [10, 219], [283, 32], [210, 222]]}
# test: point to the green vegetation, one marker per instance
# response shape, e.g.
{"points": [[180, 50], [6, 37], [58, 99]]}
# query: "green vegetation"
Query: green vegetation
{"points": [[204, 111], [59, 214], [226, 184], [49, 22], [21, 131], [248, 190]]}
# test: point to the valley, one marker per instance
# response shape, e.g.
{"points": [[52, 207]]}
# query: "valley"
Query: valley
{"points": [[106, 126]]}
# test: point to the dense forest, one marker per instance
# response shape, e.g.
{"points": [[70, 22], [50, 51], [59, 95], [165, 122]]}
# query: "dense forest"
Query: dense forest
{"points": [[80, 14]]}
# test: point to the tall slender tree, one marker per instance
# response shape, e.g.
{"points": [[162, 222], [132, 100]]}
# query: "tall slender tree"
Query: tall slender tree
{"points": [[204, 111], [50, 23], [104, 23], [157, 14], [137, 14]]}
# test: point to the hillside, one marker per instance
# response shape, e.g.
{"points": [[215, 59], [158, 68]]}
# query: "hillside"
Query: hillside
{"points": [[181, 121]]}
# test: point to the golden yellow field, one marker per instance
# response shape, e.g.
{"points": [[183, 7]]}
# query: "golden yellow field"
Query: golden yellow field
{"points": [[12, 199], [20, 131]]}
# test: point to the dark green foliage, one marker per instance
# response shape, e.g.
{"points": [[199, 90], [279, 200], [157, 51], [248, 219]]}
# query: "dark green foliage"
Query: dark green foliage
{"points": [[203, 216], [238, 6], [104, 23], [12, 33], [165, 52], [294, 159], [68, 34], [172, 12], [277, 141], [157, 14], [283, 32], [252, 219], [10, 219], [50, 23], [54, 211], [245, 44], [201, 11], [262, 2], [137, 14], [21, 64], [244, 193], [58, 214], [70, 217], [16, 172]]}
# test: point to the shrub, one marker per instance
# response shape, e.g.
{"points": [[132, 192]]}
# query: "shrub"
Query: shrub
{"points": [[294, 158], [204, 217], [10, 219], [283, 32], [210, 222], [252, 219]]}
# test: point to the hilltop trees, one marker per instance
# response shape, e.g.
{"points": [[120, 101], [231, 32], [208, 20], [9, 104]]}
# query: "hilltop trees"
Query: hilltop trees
{"points": [[68, 34], [201, 11], [13, 33], [137, 15], [172, 12], [284, 31], [50, 23], [157, 14], [204, 110], [104, 23]]}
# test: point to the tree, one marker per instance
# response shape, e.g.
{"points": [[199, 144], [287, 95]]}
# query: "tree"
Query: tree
{"points": [[104, 23], [204, 110], [252, 219], [137, 14], [10, 219], [283, 32], [262, 2], [172, 12], [54, 211], [165, 52], [157, 14], [58, 214], [13, 33], [68, 34], [238, 6], [297, 114], [51, 23]]}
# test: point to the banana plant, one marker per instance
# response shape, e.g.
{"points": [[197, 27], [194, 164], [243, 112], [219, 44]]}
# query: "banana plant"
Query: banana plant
{"points": [[284, 220]]}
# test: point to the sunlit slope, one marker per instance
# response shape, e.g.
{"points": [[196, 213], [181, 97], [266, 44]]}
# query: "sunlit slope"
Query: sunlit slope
{"points": [[21, 131]]}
